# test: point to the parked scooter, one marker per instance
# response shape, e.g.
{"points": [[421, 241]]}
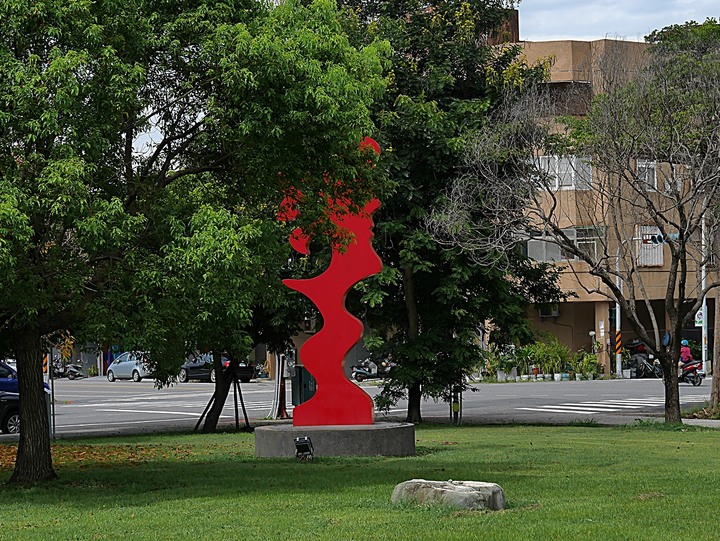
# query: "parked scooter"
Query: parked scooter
{"points": [[692, 373], [643, 362], [59, 370], [368, 369], [66, 370], [74, 371]]}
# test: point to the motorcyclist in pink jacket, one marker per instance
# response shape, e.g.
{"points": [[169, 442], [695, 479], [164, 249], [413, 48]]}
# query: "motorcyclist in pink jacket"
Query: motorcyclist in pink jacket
{"points": [[685, 355]]}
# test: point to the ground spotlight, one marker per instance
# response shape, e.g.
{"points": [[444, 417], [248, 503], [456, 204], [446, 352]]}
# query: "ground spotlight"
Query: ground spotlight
{"points": [[303, 448]]}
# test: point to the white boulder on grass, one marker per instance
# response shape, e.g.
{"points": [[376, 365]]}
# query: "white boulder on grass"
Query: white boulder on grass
{"points": [[473, 495]]}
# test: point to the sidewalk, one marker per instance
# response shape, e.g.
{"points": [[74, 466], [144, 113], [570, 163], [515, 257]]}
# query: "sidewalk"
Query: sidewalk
{"points": [[710, 423]]}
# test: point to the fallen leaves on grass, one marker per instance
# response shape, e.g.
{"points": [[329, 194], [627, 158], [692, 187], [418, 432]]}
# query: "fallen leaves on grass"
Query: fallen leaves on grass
{"points": [[98, 455]]}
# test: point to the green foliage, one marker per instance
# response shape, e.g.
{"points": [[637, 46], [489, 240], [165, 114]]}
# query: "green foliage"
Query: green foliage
{"points": [[548, 354], [695, 349], [692, 38], [144, 149], [666, 109], [496, 358], [661, 108], [234, 91], [587, 363], [443, 82], [666, 114]]}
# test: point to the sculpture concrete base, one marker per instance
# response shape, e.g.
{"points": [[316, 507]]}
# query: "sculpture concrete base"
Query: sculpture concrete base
{"points": [[379, 439]]}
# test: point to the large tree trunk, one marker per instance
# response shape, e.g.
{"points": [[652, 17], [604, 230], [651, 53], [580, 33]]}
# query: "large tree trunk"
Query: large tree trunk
{"points": [[223, 380], [34, 458], [415, 390], [414, 399], [672, 393]]}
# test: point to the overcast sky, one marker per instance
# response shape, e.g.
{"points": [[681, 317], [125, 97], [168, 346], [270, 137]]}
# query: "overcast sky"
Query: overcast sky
{"points": [[542, 20]]}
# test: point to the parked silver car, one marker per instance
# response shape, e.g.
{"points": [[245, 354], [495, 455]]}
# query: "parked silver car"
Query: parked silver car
{"points": [[128, 365]]}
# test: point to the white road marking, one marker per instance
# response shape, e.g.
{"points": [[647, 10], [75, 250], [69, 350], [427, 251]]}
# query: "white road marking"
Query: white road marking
{"points": [[553, 409], [597, 405], [607, 406], [117, 423], [183, 413]]}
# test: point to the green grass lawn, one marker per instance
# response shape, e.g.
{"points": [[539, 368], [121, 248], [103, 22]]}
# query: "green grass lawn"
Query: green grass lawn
{"points": [[573, 483]]}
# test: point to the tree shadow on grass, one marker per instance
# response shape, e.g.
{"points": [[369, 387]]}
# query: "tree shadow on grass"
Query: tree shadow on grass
{"points": [[170, 469], [175, 473]]}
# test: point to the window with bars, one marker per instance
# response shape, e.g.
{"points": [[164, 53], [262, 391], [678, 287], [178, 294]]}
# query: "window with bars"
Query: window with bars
{"points": [[587, 239], [664, 178], [712, 246], [543, 250], [649, 252], [567, 172], [647, 174]]}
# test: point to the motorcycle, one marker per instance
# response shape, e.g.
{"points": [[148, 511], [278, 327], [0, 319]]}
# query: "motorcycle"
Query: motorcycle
{"points": [[367, 369], [692, 373], [642, 361], [69, 371], [59, 370], [74, 371]]}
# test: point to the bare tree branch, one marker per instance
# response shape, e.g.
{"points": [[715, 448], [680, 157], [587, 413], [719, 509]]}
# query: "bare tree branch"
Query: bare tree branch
{"points": [[643, 165]]}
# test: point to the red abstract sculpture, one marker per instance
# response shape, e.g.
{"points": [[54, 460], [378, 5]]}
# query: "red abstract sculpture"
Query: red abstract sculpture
{"points": [[337, 401]]}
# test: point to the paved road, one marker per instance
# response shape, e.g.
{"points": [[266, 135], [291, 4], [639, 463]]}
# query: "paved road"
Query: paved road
{"points": [[95, 406], [606, 402]]}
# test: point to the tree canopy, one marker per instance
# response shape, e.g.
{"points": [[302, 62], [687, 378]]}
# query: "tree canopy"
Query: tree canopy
{"points": [[142, 146], [444, 80]]}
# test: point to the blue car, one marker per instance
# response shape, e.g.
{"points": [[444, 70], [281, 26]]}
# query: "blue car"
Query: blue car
{"points": [[9, 379], [9, 413]]}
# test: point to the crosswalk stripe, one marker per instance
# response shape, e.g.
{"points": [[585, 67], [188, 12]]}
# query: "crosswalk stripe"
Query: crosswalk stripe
{"points": [[600, 405], [587, 407], [632, 401], [609, 405], [551, 409]]}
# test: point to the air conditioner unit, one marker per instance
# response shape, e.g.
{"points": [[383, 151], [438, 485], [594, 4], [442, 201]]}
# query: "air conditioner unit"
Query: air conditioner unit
{"points": [[549, 310]]}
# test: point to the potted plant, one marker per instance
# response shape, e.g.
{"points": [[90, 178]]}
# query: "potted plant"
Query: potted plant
{"points": [[533, 360], [500, 362], [490, 359], [588, 365], [552, 355], [523, 360]]}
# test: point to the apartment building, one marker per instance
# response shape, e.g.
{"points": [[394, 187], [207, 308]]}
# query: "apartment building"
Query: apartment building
{"points": [[587, 320]]}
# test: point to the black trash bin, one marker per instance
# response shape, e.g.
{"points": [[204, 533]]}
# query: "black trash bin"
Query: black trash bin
{"points": [[303, 385]]}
